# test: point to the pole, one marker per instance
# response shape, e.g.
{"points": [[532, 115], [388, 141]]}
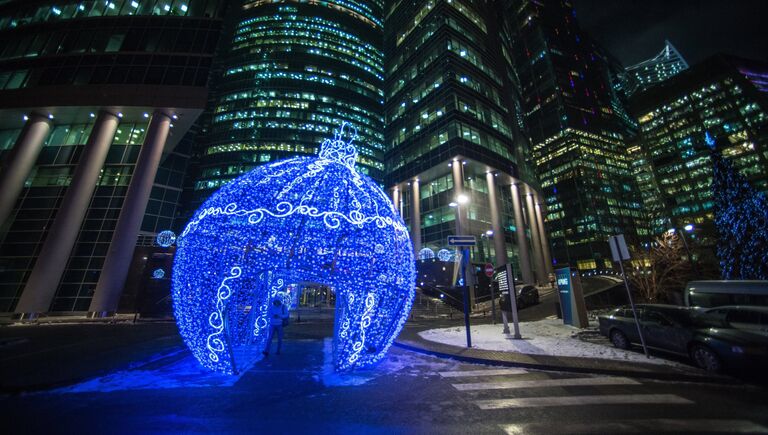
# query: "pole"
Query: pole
{"points": [[513, 301], [493, 302], [465, 293], [615, 242]]}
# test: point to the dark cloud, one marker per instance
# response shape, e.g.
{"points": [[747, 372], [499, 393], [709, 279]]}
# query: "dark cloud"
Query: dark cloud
{"points": [[635, 30]]}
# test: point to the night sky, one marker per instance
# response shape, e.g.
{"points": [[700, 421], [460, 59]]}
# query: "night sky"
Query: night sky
{"points": [[634, 30]]}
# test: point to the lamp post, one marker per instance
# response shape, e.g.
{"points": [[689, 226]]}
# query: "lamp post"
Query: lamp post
{"points": [[687, 228], [463, 200]]}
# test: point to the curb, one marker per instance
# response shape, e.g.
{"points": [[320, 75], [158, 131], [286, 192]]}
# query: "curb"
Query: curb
{"points": [[663, 376]]}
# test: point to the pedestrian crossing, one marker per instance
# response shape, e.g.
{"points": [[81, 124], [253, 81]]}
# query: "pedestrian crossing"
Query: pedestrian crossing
{"points": [[520, 393]]}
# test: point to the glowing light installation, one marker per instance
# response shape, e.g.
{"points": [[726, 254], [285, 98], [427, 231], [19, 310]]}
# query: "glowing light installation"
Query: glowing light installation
{"points": [[445, 255], [158, 274], [300, 219], [426, 254], [165, 238]]}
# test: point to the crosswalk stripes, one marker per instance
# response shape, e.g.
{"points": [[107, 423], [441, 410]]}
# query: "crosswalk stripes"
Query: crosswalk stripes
{"points": [[543, 383], [509, 381], [607, 399], [639, 426], [488, 372]]}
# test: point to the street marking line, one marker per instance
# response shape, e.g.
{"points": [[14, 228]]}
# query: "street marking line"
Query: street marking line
{"points": [[639, 426], [544, 383], [613, 399], [490, 372]]}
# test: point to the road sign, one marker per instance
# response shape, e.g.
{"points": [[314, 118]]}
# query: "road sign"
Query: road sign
{"points": [[461, 241], [488, 270], [618, 246]]}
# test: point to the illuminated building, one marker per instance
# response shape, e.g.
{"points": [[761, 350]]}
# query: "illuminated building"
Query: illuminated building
{"points": [[452, 131], [290, 72], [95, 101], [578, 135], [723, 95], [657, 69]]}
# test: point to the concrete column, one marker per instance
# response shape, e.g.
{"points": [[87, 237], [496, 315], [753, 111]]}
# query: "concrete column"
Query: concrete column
{"points": [[416, 217], [538, 259], [545, 247], [522, 241], [115, 269], [20, 162], [458, 189], [499, 242], [396, 200], [50, 264]]}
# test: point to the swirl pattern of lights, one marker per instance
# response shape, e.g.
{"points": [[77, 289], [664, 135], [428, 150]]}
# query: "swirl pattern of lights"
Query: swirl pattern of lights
{"points": [[165, 238], [292, 221]]}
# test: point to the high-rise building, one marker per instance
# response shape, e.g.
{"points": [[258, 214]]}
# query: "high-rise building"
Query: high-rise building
{"points": [[723, 96], [95, 101], [579, 138], [642, 75], [290, 73], [455, 156]]}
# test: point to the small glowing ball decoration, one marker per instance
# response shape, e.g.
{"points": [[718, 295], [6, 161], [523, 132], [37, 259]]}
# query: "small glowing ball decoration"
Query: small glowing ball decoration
{"points": [[165, 238], [426, 254], [444, 255], [158, 274], [297, 220]]}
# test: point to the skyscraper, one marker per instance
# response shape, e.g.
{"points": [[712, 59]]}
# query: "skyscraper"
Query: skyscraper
{"points": [[455, 157], [578, 137], [723, 96], [657, 69], [95, 100], [290, 73]]}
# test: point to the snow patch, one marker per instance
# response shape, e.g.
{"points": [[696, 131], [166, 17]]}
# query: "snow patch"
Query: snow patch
{"points": [[543, 337]]}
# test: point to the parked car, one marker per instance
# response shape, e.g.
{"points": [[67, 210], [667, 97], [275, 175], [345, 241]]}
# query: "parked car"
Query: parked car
{"points": [[748, 318], [709, 294], [527, 295], [709, 342]]}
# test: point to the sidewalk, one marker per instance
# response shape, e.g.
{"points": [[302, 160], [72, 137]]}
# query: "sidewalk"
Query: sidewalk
{"points": [[410, 339]]}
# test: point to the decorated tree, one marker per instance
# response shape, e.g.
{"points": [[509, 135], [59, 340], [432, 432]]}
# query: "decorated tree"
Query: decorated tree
{"points": [[741, 217]]}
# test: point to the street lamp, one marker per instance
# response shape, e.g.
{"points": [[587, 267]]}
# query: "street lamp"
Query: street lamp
{"points": [[462, 199]]}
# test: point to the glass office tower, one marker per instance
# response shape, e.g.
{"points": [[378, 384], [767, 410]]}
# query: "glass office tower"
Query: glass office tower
{"points": [[579, 139], [290, 72], [95, 101], [452, 131], [723, 95]]}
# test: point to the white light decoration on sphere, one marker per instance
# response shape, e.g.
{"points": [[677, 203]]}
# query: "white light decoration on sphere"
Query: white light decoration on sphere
{"points": [[426, 254], [445, 255], [165, 238], [297, 220]]}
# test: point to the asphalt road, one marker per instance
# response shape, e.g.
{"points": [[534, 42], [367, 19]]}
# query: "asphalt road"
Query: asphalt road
{"points": [[296, 392]]}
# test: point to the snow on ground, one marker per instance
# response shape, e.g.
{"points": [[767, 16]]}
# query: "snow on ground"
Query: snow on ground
{"points": [[543, 337]]}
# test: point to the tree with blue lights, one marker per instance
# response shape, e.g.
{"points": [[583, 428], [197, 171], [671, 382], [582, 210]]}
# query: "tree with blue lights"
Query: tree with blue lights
{"points": [[741, 217]]}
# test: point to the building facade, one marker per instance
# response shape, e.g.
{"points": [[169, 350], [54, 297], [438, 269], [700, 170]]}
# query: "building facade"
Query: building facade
{"points": [[723, 96], [579, 139], [641, 76], [95, 101], [455, 156], [290, 73]]}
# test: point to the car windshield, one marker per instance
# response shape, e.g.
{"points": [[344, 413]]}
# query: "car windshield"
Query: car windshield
{"points": [[699, 320]]}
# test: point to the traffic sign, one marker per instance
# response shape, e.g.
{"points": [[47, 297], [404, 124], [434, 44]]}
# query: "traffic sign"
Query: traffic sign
{"points": [[488, 270], [461, 241]]}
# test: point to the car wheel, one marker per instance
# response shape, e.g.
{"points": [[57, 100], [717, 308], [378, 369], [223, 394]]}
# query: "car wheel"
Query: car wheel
{"points": [[706, 359], [619, 339]]}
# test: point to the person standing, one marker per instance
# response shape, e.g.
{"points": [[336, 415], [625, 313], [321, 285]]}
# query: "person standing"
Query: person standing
{"points": [[278, 317]]}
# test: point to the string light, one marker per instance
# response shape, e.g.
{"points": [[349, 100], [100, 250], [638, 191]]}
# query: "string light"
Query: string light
{"points": [[741, 217], [291, 221]]}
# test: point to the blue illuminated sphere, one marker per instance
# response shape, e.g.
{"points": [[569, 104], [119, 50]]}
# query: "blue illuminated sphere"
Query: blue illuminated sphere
{"points": [[445, 255], [426, 254], [298, 220], [158, 274], [165, 238]]}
